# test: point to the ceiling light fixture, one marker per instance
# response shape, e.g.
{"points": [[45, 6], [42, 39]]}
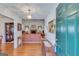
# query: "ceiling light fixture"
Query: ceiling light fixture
{"points": [[29, 14]]}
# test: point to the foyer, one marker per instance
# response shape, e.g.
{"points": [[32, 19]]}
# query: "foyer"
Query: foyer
{"points": [[39, 29], [26, 29]]}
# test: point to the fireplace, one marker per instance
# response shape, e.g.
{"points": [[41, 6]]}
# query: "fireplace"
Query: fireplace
{"points": [[33, 31]]}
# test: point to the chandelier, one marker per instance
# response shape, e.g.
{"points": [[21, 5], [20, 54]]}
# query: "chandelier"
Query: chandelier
{"points": [[29, 14]]}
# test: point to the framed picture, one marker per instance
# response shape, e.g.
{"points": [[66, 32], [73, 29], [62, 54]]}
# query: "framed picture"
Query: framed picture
{"points": [[19, 27], [33, 27], [40, 28], [51, 26], [26, 28]]}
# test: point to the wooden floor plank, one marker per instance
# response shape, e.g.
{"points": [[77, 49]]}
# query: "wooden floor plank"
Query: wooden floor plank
{"points": [[24, 50], [27, 49]]}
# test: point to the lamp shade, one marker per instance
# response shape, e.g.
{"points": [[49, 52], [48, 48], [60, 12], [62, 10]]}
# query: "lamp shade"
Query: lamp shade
{"points": [[29, 16]]}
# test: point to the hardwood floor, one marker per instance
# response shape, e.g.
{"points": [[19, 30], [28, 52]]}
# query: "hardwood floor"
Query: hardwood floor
{"points": [[34, 49], [50, 52], [27, 49]]}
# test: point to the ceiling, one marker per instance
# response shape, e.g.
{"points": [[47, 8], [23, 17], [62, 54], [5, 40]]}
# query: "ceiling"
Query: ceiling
{"points": [[38, 10]]}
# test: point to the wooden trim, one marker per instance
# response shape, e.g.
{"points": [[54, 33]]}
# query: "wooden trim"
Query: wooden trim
{"points": [[1, 39], [43, 49]]}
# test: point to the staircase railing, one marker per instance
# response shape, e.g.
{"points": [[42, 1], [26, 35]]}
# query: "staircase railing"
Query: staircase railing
{"points": [[43, 47], [46, 40]]}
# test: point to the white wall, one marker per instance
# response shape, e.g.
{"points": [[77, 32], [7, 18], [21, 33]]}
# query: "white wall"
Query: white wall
{"points": [[33, 22], [3, 20], [16, 20], [16, 32], [50, 36]]}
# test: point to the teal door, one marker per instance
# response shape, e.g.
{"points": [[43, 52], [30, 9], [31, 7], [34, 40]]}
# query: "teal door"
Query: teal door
{"points": [[64, 36], [70, 36], [77, 37], [67, 30]]}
